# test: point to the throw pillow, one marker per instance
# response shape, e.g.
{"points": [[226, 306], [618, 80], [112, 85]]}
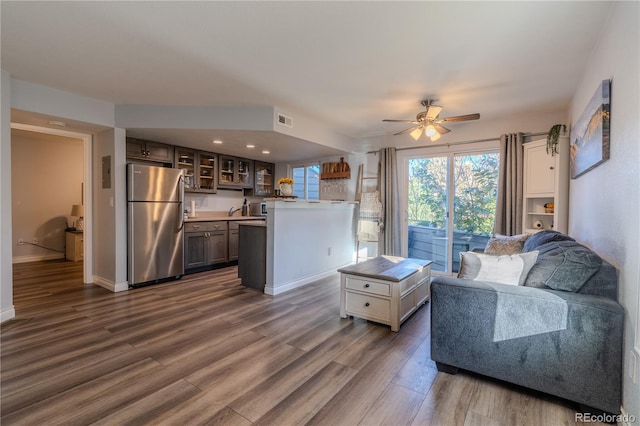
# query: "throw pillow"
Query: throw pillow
{"points": [[506, 269], [504, 244], [563, 265], [543, 237]]}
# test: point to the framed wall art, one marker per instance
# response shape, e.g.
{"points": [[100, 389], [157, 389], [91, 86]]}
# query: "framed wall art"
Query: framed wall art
{"points": [[589, 144]]}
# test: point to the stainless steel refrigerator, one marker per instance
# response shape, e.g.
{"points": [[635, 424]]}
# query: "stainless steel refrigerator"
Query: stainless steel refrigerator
{"points": [[155, 205]]}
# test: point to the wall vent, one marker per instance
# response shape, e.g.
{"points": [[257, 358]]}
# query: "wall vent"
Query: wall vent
{"points": [[285, 121]]}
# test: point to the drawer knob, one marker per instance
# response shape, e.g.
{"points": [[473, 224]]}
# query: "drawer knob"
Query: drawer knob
{"points": [[367, 285], [366, 304]]}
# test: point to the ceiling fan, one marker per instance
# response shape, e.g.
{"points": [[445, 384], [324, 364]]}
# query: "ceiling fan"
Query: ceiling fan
{"points": [[427, 122]]}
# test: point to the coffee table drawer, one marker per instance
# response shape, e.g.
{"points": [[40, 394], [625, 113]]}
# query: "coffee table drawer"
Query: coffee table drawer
{"points": [[368, 307], [368, 286]]}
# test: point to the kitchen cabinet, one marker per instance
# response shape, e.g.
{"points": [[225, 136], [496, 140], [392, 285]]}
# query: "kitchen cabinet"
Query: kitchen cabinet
{"points": [[263, 182], [235, 172], [205, 244], [233, 240], [140, 149], [252, 260], [546, 181], [200, 168]]}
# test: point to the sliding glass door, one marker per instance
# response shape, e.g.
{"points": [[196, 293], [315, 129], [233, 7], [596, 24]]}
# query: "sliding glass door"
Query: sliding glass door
{"points": [[450, 206]]}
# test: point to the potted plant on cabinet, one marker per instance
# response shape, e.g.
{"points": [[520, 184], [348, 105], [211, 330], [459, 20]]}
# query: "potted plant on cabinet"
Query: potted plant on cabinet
{"points": [[552, 138]]}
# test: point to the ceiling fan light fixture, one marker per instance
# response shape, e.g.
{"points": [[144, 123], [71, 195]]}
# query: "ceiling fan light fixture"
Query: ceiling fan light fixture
{"points": [[430, 131], [416, 133], [435, 137]]}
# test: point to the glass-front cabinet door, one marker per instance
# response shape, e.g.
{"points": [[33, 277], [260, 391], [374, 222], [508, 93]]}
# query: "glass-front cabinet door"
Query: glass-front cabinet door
{"points": [[207, 176], [227, 170], [200, 170], [263, 179], [186, 160], [245, 179], [235, 172]]}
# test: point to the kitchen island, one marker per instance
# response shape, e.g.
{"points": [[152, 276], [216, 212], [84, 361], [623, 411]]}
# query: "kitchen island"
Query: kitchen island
{"points": [[307, 240]]}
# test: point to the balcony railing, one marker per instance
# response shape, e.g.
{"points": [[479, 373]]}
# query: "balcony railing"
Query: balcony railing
{"points": [[431, 243]]}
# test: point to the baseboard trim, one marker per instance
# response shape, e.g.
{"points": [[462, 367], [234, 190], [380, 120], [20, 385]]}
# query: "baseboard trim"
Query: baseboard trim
{"points": [[37, 257], [625, 418], [110, 285], [7, 314], [271, 290]]}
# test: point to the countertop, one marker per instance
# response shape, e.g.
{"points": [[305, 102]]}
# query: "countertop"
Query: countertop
{"points": [[215, 217]]}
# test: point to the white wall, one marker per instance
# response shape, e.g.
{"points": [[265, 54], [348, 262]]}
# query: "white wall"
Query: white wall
{"points": [[604, 202], [110, 225], [57, 103], [7, 310], [306, 241], [46, 180]]}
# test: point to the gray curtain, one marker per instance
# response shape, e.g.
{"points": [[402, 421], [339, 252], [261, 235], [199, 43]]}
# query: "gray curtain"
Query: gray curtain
{"points": [[509, 205], [390, 241]]}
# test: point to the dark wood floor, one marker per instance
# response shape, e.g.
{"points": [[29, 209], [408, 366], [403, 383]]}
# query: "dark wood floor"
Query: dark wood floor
{"points": [[205, 350]]}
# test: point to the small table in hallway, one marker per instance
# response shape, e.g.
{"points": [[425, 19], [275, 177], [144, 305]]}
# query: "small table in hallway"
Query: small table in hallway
{"points": [[74, 249], [385, 289]]}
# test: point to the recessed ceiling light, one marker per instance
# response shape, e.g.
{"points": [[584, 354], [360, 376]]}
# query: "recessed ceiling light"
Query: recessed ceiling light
{"points": [[57, 123], [250, 146], [217, 141], [265, 151]]}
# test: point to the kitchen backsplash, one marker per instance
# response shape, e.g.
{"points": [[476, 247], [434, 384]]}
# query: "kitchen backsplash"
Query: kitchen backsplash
{"points": [[223, 200]]}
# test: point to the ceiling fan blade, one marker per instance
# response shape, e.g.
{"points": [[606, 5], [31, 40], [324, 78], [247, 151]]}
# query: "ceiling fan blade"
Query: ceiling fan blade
{"points": [[432, 112], [401, 121], [459, 118], [407, 130], [441, 129]]}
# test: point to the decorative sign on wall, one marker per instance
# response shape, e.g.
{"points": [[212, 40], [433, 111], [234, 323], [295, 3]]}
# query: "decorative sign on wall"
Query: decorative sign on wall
{"points": [[590, 134], [339, 170]]}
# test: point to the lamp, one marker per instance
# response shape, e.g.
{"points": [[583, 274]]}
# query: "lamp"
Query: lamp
{"points": [[77, 210], [435, 137]]}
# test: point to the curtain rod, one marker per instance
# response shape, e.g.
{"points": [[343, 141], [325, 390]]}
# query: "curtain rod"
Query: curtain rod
{"points": [[526, 135]]}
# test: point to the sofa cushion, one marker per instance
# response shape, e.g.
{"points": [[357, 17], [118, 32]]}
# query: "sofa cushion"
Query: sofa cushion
{"points": [[539, 238], [505, 269], [563, 265], [505, 244]]}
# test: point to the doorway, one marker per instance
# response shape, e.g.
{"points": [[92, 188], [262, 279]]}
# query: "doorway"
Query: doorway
{"points": [[85, 193], [450, 204]]}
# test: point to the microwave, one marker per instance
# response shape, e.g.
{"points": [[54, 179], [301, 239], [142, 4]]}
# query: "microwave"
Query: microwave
{"points": [[258, 209]]}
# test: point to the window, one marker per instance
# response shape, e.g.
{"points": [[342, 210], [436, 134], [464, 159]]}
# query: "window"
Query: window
{"points": [[450, 203], [306, 181]]}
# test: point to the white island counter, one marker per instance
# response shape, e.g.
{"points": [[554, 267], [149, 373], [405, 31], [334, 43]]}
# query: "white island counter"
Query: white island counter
{"points": [[307, 241]]}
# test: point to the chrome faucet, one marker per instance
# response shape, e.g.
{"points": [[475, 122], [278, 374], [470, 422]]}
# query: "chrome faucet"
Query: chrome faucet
{"points": [[232, 211]]}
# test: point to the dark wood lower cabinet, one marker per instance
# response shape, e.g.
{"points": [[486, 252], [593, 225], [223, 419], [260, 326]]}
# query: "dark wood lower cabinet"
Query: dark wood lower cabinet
{"points": [[233, 241], [252, 260], [205, 244]]}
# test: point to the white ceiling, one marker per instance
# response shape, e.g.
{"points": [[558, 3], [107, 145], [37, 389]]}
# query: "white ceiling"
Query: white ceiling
{"points": [[347, 65]]}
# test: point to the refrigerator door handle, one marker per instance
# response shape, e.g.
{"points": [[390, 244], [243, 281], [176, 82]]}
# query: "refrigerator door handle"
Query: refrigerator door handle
{"points": [[181, 203]]}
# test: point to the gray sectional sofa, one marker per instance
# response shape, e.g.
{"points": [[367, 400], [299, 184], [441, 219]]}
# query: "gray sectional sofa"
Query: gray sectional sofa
{"points": [[559, 333]]}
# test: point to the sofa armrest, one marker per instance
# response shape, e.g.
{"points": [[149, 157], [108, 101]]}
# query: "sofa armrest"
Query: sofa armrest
{"points": [[562, 343]]}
